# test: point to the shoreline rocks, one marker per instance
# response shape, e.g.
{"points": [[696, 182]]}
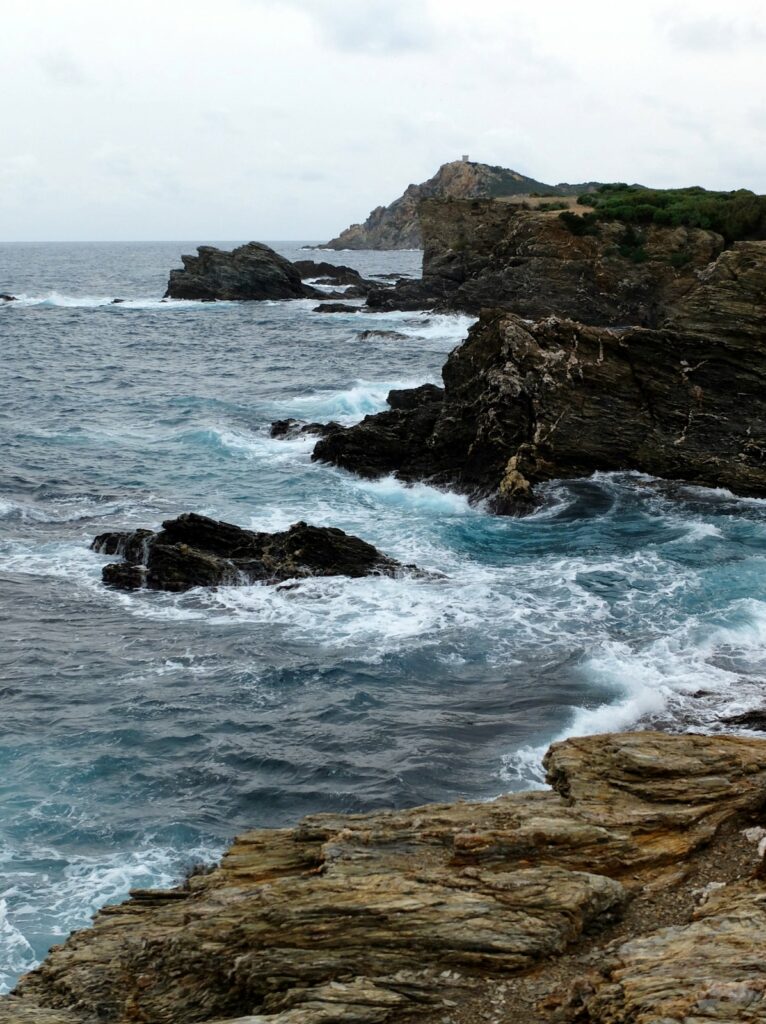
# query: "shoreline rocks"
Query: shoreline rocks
{"points": [[195, 551], [632, 890], [529, 402]]}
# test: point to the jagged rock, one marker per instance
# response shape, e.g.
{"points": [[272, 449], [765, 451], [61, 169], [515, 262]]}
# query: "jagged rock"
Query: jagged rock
{"points": [[8, 298], [252, 271], [754, 719], [485, 253], [400, 915], [397, 226], [295, 428], [530, 402], [195, 551], [414, 398], [390, 335], [329, 273], [335, 307]]}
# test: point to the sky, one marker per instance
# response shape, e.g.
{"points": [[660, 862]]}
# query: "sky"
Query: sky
{"points": [[290, 119]]}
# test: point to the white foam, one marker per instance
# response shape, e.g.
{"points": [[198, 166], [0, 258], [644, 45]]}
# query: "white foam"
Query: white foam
{"points": [[56, 299], [348, 405]]}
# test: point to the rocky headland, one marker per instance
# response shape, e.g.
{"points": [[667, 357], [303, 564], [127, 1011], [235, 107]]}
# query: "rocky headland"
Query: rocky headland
{"points": [[195, 551], [398, 226], [488, 253], [530, 401], [631, 891]]}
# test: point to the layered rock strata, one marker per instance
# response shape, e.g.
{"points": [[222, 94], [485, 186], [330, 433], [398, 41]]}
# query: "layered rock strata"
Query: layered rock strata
{"points": [[251, 271], [431, 913], [529, 402], [486, 253], [195, 551]]}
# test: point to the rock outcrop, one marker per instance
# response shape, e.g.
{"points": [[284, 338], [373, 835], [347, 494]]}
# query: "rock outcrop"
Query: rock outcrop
{"points": [[528, 402], [577, 903], [252, 271], [397, 226], [194, 551], [486, 253]]}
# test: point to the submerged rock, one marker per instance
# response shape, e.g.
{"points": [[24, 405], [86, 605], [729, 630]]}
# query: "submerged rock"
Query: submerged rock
{"points": [[8, 298], [529, 402], [435, 911], [329, 273], [195, 551], [251, 271], [335, 307]]}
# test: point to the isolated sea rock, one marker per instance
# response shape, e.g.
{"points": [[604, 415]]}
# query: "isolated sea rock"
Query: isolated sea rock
{"points": [[251, 271], [291, 427], [529, 402], [335, 307], [8, 298], [195, 551], [447, 910], [329, 272], [398, 225], [489, 254]]}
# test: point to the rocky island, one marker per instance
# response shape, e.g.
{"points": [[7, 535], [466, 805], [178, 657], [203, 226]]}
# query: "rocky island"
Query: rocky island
{"points": [[631, 890]]}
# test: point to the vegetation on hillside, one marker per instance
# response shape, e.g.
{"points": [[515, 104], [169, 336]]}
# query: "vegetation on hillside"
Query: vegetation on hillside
{"points": [[735, 215]]}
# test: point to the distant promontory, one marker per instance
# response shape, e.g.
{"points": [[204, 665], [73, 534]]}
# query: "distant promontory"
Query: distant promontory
{"points": [[397, 226]]}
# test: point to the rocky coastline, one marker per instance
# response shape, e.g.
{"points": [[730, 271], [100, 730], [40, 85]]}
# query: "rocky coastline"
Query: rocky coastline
{"points": [[525, 402], [631, 890]]}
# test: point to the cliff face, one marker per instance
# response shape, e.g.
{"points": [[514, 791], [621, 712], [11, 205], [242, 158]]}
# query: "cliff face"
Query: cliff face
{"points": [[486, 253], [397, 226], [584, 899], [527, 402]]}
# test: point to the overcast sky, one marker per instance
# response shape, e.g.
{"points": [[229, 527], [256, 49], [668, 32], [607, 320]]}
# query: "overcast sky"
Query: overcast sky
{"points": [[289, 119]]}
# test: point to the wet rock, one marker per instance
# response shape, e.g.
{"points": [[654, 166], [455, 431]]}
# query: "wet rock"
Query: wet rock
{"points": [[296, 428], [329, 273], [388, 335], [117, 302], [414, 398], [335, 307], [8, 298], [252, 271], [526, 402], [754, 719], [195, 551], [404, 915]]}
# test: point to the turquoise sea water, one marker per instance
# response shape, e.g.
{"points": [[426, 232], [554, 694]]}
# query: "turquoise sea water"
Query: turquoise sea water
{"points": [[140, 732]]}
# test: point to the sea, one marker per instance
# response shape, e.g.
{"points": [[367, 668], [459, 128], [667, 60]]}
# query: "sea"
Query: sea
{"points": [[140, 732]]}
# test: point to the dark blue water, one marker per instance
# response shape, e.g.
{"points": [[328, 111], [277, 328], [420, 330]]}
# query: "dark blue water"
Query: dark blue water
{"points": [[140, 732]]}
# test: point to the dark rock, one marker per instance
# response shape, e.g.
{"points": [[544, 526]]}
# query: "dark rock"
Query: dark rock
{"points": [[328, 273], [755, 720], [252, 271], [124, 576], [8, 298], [529, 402], [117, 302], [487, 254], [413, 398], [295, 428], [335, 307], [391, 335], [195, 551]]}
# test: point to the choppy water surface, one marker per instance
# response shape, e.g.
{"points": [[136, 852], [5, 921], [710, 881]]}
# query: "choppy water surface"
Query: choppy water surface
{"points": [[139, 732]]}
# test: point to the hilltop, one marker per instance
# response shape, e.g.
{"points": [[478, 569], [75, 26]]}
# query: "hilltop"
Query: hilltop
{"points": [[397, 225]]}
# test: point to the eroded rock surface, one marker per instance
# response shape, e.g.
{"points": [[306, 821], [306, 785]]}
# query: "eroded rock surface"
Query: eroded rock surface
{"points": [[195, 551], [405, 915], [251, 271], [487, 253], [529, 402]]}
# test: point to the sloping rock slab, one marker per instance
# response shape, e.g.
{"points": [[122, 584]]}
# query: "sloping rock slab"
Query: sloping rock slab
{"points": [[195, 551], [384, 917]]}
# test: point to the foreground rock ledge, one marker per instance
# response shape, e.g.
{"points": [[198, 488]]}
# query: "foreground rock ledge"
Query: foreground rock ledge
{"points": [[419, 914], [195, 551]]}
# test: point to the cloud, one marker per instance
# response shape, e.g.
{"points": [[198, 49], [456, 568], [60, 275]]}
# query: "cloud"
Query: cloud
{"points": [[715, 35], [62, 69], [379, 27]]}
